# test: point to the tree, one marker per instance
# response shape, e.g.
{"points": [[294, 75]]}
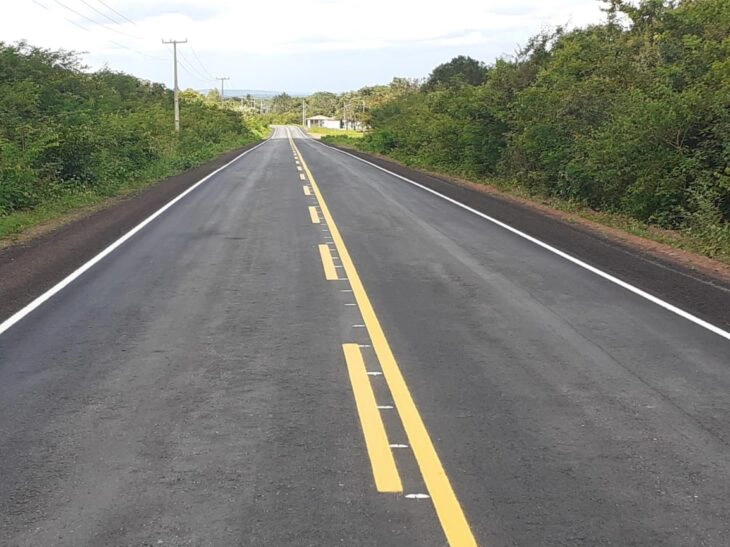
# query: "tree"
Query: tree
{"points": [[629, 116], [460, 70]]}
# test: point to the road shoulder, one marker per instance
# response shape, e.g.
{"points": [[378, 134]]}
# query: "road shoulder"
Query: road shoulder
{"points": [[33, 266], [701, 288]]}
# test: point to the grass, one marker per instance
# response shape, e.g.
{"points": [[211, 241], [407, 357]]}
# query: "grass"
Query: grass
{"points": [[347, 133], [70, 205], [684, 240]]}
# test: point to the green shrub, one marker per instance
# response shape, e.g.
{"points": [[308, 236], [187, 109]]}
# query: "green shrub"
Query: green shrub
{"points": [[66, 132]]}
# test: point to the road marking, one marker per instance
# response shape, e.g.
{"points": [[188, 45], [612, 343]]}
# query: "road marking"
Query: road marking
{"points": [[605, 275], [382, 461], [302, 177], [358, 326], [330, 274], [417, 496], [307, 191], [385, 407], [375, 373], [350, 304], [449, 511], [399, 446], [314, 215], [299, 167], [81, 270]]}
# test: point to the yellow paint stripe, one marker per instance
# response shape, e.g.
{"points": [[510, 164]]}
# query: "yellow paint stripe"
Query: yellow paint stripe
{"points": [[315, 216], [307, 191], [382, 461], [449, 511], [330, 272]]}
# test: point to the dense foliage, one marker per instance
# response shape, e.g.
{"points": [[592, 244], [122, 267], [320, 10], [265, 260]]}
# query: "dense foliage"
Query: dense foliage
{"points": [[64, 131], [631, 116], [352, 105]]}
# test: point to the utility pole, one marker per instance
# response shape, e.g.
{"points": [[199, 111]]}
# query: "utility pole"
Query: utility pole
{"points": [[177, 89], [223, 79]]}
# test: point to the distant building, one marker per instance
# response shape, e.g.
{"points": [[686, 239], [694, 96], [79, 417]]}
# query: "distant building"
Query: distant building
{"points": [[324, 121]]}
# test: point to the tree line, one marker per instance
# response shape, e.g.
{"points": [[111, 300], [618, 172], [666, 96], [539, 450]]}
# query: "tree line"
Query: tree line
{"points": [[351, 105], [629, 116], [65, 131]]}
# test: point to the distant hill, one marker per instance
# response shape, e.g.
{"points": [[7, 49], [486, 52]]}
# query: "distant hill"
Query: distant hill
{"points": [[257, 93]]}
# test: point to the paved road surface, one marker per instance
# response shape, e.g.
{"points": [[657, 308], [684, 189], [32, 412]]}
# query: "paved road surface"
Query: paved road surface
{"points": [[207, 384]]}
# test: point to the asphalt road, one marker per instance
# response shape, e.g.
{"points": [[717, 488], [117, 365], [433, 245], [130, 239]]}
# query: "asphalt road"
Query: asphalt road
{"points": [[207, 384]]}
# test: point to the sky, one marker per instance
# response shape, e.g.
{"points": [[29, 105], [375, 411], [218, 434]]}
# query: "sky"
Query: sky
{"points": [[294, 46]]}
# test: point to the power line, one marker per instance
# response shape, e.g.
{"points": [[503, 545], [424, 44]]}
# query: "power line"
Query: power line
{"points": [[79, 14], [186, 62], [136, 51], [115, 11], [195, 54], [74, 23], [191, 73], [117, 44], [104, 15], [185, 67]]}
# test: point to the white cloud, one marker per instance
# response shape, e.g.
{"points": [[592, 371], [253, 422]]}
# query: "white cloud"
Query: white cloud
{"points": [[227, 28]]}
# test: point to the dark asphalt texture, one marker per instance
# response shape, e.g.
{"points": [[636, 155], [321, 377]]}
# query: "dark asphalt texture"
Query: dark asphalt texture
{"points": [[708, 297], [30, 269], [190, 389]]}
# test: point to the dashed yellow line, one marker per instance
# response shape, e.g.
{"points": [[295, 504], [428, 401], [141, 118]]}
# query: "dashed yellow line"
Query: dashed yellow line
{"points": [[314, 215], [330, 272], [376, 440], [451, 515]]}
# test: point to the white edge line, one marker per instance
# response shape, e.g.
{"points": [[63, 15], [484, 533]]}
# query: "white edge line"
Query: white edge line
{"points": [[651, 298], [66, 281]]}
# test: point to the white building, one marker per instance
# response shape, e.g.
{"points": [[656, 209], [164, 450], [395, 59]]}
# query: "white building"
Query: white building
{"points": [[324, 121]]}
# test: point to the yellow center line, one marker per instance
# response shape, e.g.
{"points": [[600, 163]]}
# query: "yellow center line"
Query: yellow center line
{"points": [[314, 215], [376, 440], [449, 511], [330, 273]]}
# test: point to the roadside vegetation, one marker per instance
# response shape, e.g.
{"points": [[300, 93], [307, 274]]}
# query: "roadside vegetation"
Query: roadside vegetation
{"points": [[629, 118], [324, 131], [70, 138], [353, 105]]}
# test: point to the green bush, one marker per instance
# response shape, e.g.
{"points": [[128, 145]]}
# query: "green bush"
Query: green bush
{"points": [[631, 116], [65, 132]]}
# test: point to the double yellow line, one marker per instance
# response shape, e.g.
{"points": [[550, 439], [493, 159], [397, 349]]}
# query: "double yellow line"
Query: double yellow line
{"points": [[449, 511]]}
